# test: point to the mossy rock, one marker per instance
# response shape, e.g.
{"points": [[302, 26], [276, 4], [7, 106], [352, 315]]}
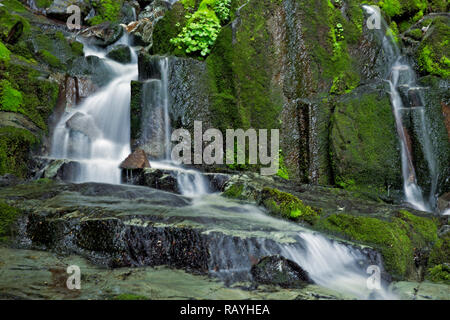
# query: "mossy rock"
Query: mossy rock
{"points": [[15, 146], [8, 216], [400, 239], [287, 206], [433, 53], [168, 28], [120, 53], [106, 10], [364, 146]]}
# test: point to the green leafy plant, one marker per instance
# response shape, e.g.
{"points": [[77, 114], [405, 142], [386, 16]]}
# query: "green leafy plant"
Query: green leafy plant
{"points": [[222, 9], [199, 35]]}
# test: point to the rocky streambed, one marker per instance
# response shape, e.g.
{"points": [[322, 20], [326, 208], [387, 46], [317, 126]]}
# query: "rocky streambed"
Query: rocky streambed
{"points": [[122, 235]]}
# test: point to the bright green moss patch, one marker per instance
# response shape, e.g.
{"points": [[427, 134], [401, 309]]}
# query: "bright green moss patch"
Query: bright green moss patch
{"points": [[287, 206], [4, 53], [8, 215], [439, 273], [396, 239], [107, 10], [15, 145], [10, 98], [39, 96]]}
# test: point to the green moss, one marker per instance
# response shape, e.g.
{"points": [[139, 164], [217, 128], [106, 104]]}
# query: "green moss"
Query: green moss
{"points": [[441, 252], [433, 52], [235, 191], [8, 20], [168, 28], [364, 147], [4, 53], [14, 5], [287, 206], [11, 99], [39, 96], [128, 296], [106, 10], [15, 145], [439, 273], [77, 48], [396, 239], [50, 59], [283, 172], [43, 3], [8, 216]]}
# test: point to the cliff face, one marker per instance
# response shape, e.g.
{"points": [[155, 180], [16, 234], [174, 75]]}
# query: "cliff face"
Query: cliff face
{"points": [[310, 68], [314, 70]]}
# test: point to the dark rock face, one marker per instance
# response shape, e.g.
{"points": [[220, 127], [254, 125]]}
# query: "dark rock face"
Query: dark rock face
{"points": [[120, 53], [363, 140], [9, 180], [276, 270]]}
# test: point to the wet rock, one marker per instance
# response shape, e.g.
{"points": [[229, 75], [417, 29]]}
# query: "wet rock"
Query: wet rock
{"points": [[84, 124], [103, 34], [58, 9], [162, 180], [279, 271], [444, 203], [8, 180], [120, 53], [217, 181], [359, 158], [137, 160]]}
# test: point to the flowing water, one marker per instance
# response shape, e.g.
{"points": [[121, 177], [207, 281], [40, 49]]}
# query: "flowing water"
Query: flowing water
{"points": [[96, 133], [401, 77]]}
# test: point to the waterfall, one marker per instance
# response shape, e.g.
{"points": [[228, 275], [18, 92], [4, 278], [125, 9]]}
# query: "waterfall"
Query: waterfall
{"points": [[330, 264], [96, 133], [156, 130], [401, 77]]}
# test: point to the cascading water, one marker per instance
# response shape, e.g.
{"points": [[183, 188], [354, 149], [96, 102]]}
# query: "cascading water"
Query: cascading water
{"points": [[402, 77], [329, 263], [96, 134], [156, 127]]}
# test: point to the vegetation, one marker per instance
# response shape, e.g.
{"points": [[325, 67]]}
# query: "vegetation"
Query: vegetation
{"points": [[203, 27], [106, 10], [397, 239], [8, 215], [287, 206]]}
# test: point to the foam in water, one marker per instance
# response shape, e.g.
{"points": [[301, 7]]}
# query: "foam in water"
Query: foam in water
{"points": [[101, 149]]}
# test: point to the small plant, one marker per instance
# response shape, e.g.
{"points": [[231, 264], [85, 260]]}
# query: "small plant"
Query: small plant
{"points": [[199, 35], [339, 30], [222, 9]]}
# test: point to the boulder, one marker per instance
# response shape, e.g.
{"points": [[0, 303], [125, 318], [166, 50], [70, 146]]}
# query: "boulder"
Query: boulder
{"points": [[276, 270], [84, 124], [103, 34], [120, 53], [58, 9], [136, 160]]}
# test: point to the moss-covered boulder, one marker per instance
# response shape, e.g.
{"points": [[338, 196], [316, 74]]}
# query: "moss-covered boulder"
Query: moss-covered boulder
{"points": [[433, 53], [403, 240], [287, 206], [439, 260], [364, 146], [120, 53], [8, 216]]}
